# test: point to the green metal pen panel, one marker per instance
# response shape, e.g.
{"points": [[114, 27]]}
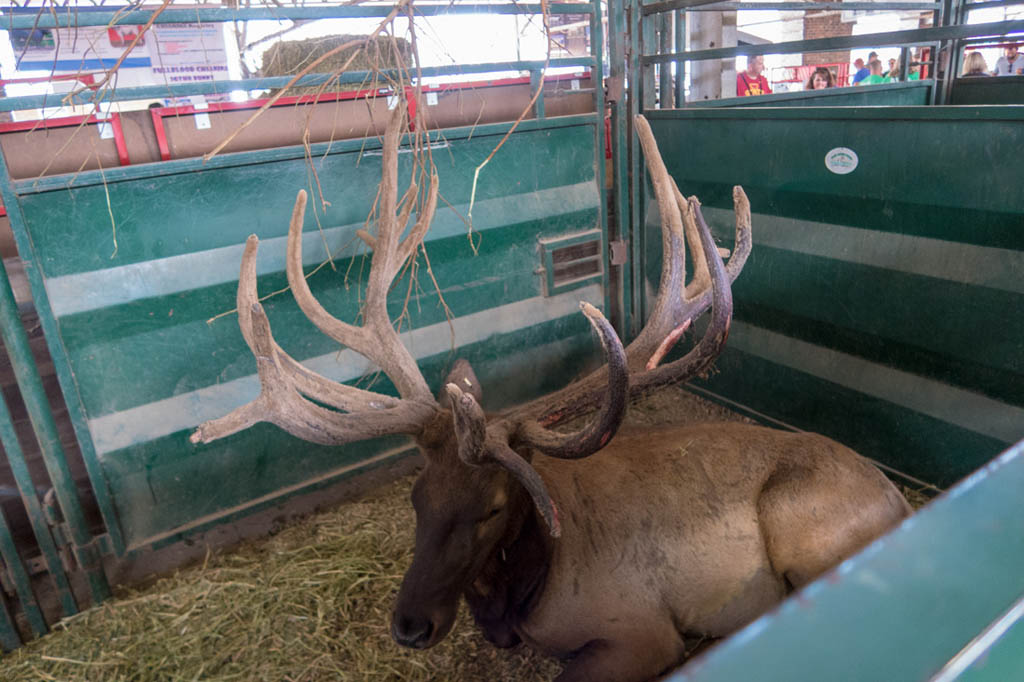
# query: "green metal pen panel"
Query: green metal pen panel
{"points": [[882, 301], [981, 90], [886, 94], [142, 365]]}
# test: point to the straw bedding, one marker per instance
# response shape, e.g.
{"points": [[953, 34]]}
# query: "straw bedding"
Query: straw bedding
{"points": [[310, 603]]}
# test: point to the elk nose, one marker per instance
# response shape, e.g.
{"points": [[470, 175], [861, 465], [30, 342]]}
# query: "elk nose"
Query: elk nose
{"points": [[411, 631]]}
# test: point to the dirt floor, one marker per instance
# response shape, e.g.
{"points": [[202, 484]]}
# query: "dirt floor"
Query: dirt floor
{"points": [[310, 603]]}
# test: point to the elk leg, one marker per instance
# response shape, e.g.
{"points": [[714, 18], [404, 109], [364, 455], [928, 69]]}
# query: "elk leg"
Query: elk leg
{"points": [[643, 656], [813, 518]]}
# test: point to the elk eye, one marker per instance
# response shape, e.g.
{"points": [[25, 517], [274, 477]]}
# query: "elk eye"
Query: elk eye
{"points": [[491, 514]]}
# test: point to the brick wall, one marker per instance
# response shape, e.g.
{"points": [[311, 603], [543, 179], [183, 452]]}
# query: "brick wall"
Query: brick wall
{"points": [[826, 24]]}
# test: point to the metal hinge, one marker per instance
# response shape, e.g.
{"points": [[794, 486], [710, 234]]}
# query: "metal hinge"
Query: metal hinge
{"points": [[87, 556], [618, 252], [615, 86]]}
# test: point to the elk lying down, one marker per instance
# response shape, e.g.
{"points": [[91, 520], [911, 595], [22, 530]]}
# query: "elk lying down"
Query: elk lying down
{"points": [[607, 562]]}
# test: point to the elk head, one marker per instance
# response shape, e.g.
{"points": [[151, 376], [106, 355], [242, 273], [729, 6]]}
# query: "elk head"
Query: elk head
{"points": [[478, 482]]}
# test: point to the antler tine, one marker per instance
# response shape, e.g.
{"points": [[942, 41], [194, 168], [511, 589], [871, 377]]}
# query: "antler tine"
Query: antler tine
{"points": [[698, 293], [663, 318], [283, 381], [596, 434], [677, 305], [704, 353], [479, 445], [377, 339], [339, 396]]}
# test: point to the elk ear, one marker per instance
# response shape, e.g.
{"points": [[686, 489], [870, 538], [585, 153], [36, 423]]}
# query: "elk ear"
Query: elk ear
{"points": [[463, 376]]}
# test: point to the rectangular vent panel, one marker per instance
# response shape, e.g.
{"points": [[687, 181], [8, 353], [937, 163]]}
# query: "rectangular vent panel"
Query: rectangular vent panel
{"points": [[572, 261]]}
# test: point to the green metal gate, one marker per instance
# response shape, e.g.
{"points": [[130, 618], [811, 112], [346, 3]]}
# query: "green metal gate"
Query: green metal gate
{"points": [[128, 266]]}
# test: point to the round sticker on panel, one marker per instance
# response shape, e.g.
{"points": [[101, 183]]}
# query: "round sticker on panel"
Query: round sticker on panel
{"points": [[841, 160]]}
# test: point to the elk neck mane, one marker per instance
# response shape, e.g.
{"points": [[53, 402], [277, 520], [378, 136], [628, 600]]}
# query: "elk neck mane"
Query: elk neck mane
{"points": [[512, 579]]}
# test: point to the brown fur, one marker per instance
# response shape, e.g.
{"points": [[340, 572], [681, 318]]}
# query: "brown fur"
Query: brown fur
{"points": [[665, 532]]}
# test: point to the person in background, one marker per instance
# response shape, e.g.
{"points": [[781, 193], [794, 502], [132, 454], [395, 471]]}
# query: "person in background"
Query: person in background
{"points": [[862, 71], [1011, 63], [751, 81], [974, 65], [894, 70], [875, 76], [821, 78]]}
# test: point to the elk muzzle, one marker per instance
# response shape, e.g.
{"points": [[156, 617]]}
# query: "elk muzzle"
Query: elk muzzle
{"points": [[418, 627]]}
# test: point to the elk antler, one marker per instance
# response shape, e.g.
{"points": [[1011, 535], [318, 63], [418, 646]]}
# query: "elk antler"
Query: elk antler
{"points": [[285, 384], [630, 372], [676, 307], [480, 442], [292, 396]]}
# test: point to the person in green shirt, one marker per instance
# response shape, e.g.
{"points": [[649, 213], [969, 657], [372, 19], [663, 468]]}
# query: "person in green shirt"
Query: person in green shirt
{"points": [[875, 76]]}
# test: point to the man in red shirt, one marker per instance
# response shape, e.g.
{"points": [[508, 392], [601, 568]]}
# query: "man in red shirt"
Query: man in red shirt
{"points": [[751, 82]]}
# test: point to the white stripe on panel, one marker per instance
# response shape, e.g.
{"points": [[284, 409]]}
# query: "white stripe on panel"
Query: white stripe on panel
{"points": [[966, 263], [968, 410], [86, 291], [153, 420]]}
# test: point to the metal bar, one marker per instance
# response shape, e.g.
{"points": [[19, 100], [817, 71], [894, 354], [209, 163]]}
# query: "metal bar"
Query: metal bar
{"points": [[535, 84], [10, 639], [36, 517], [597, 51], [150, 170], [636, 176], [82, 17], [933, 54], [666, 97], [680, 65], [31, 387], [719, 6], [648, 40], [19, 576], [119, 141], [992, 3], [223, 87], [656, 7], [917, 36], [617, 31]]}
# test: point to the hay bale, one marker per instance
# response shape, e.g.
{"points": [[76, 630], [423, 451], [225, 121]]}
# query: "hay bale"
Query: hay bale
{"points": [[286, 58]]}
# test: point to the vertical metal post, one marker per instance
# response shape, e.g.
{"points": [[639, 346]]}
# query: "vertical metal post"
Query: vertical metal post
{"points": [[636, 176], [27, 376], [9, 637], [535, 84], [36, 517], [617, 32], [648, 45], [945, 18], [19, 576], [597, 77], [680, 46], [666, 94]]}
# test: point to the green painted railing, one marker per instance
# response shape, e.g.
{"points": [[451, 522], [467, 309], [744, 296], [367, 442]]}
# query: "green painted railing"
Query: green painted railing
{"points": [[883, 95]]}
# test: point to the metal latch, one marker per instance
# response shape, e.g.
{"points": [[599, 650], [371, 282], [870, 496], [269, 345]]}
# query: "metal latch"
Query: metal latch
{"points": [[615, 87], [618, 251]]}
